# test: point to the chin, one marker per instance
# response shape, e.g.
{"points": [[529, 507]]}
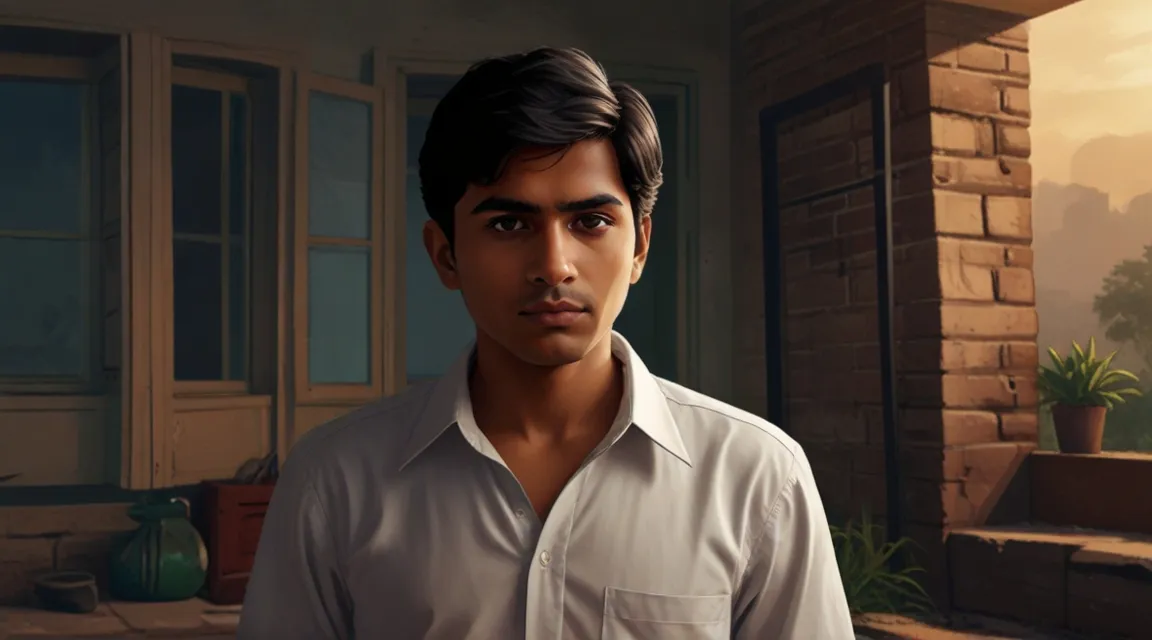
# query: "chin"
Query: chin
{"points": [[547, 347], [554, 349]]}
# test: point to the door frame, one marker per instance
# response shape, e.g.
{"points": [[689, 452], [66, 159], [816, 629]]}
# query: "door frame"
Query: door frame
{"points": [[873, 79]]}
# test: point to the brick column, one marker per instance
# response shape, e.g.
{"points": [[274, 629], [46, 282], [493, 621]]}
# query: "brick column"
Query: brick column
{"points": [[969, 357], [965, 320]]}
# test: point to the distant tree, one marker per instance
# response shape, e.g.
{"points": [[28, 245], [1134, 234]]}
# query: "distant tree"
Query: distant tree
{"points": [[1124, 305]]}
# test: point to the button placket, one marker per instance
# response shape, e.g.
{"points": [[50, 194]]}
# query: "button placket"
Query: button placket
{"points": [[546, 574]]}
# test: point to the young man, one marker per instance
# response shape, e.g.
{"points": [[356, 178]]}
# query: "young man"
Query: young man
{"points": [[548, 487]]}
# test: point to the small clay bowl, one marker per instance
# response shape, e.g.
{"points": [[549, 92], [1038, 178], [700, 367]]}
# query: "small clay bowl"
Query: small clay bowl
{"points": [[67, 591]]}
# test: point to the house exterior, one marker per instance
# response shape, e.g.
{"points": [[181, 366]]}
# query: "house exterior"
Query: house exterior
{"points": [[211, 241], [232, 237]]}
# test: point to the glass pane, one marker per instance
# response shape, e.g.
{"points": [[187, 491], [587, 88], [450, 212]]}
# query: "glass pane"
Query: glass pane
{"points": [[417, 127], [438, 325], [238, 310], [43, 323], [197, 127], [42, 156], [649, 317], [196, 275], [238, 164], [430, 87], [339, 334], [339, 166]]}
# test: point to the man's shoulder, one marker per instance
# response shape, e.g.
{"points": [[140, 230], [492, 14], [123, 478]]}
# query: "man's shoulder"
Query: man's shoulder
{"points": [[379, 429], [704, 418]]}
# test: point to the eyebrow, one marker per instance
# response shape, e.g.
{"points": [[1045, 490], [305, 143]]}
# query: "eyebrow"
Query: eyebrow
{"points": [[511, 205]]}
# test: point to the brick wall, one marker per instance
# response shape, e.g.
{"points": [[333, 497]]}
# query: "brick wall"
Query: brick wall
{"points": [[37, 539], [965, 319], [833, 353]]}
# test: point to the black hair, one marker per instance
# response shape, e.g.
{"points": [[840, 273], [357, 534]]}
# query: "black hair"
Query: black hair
{"points": [[548, 98]]}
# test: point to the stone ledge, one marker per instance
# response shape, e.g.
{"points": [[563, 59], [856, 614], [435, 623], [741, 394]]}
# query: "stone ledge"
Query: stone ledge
{"points": [[1073, 490], [61, 520], [955, 627], [1062, 578], [1024, 8], [162, 619]]}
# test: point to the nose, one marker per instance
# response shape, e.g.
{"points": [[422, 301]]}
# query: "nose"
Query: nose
{"points": [[552, 264]]}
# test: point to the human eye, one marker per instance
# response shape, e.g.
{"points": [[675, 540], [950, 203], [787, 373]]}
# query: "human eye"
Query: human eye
{"points": [[593, 222], [504, 224]]}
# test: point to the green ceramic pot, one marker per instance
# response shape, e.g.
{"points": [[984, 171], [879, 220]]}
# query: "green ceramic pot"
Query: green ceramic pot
{"points": [[164, 559]]}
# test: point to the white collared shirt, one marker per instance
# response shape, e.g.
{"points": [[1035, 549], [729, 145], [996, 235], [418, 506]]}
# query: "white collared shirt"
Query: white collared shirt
{"points": [[692, 520]]}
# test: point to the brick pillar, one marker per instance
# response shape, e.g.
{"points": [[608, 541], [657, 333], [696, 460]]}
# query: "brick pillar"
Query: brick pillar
{"points": [[965, 320], [986, 320]]}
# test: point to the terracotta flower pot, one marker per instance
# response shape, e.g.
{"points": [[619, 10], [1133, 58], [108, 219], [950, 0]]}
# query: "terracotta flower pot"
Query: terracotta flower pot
{"points": [[1079, 429]]}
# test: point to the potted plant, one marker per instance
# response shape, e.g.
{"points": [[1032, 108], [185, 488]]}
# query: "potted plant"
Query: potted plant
{"points": [[1081, 390]]}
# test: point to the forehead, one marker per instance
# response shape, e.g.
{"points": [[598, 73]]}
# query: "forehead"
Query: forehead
{"points": [[541, 175]]}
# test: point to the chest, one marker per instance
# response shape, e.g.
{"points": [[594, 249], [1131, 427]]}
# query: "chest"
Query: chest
{"points": [[622, 547], [543, 472]]}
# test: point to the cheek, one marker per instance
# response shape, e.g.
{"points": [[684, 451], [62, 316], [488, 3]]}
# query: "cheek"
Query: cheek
{"points": [[480, 268]]}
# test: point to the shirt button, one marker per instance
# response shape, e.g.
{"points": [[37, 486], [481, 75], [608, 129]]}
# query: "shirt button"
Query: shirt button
{"points": [[520, 514], [545, 558]]}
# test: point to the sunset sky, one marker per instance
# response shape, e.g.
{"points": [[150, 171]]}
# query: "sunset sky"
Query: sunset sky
{"points": [[1091, 68], [1091, 76]]}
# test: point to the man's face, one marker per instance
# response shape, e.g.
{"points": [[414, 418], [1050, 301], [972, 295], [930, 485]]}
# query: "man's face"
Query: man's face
{"points": [[545, 256]]}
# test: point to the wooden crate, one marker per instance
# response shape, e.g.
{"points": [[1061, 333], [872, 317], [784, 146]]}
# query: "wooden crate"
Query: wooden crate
{"points": [[230, 520]]}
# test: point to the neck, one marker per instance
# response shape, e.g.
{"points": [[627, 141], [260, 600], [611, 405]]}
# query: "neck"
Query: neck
{"points": [[513, 398]]}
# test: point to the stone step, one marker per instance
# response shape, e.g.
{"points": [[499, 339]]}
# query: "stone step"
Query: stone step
{"points": [[956, 626], [896, 627], [187, 619], [1093, 582]]}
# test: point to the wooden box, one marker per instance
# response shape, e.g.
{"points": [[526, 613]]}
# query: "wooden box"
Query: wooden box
{"points": [[231, 517]]}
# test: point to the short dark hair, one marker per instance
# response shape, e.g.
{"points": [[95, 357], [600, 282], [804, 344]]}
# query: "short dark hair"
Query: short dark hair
{"points": [[547, 97]]}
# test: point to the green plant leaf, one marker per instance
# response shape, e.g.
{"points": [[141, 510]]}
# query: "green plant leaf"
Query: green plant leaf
{"points": [[871, 585], [1081, 378], [1111, 397], [1123, 373]]}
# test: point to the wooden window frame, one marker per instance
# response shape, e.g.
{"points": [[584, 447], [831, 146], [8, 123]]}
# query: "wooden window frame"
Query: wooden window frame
{"points": [[85, 71], [308, 392], [227, 84], [271, 104], [392, 75], [424, 107], [145, 395], [681, 89]]}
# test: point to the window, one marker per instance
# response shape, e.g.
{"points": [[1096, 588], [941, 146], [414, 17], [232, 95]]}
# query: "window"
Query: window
{"points": [[437, 323], [46, 275], [650, 319], [210, 226], [339, 283], [60, 220]]}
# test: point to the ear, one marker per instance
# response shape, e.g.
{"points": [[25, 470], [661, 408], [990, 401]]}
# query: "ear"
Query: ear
{"points": [[436, 244], [643, 237]]}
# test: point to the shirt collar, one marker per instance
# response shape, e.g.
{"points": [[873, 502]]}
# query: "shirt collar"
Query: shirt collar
{"points": [[450, 404]]}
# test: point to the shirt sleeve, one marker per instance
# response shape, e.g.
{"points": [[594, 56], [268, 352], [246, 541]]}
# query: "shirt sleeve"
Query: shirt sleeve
{"points": [[296, 590], [791, 589]]}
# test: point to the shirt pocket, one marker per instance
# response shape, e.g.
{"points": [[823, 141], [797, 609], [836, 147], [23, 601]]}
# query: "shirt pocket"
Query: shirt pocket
{"points": [[635, 615]]}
